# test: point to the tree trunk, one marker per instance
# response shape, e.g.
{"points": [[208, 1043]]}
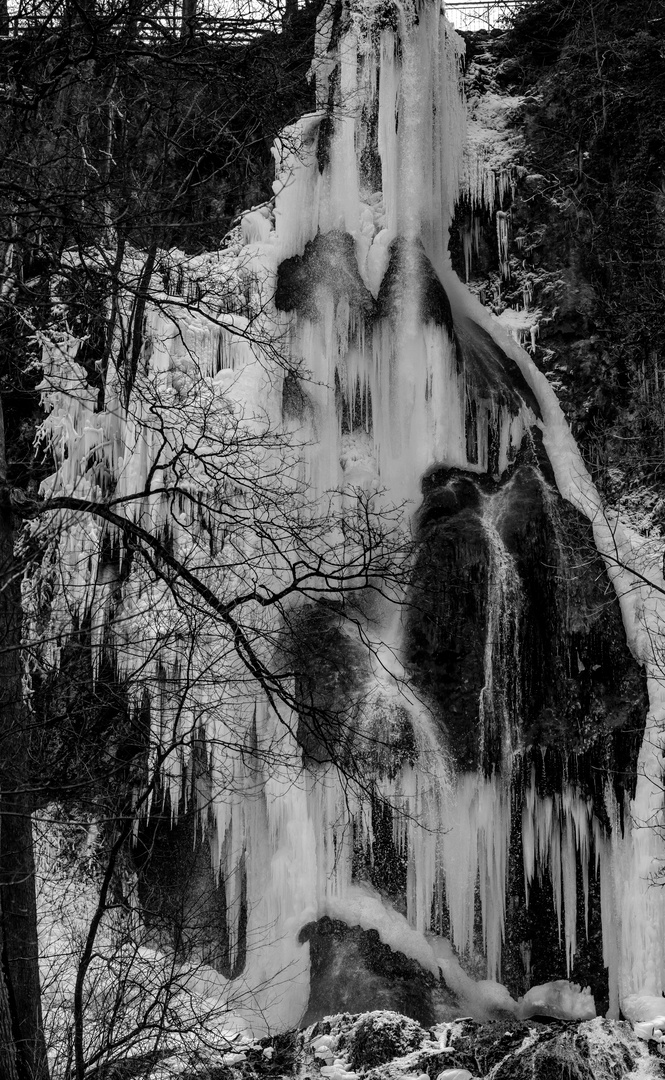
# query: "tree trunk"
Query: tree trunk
{"points": [[20, 996], [188, 22], [7, 1044]]}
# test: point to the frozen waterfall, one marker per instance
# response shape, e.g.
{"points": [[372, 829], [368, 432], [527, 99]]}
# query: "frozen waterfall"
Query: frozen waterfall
{"points": [[336, 354]]}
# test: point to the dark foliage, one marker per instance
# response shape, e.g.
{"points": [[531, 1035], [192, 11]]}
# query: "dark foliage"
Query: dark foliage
{"points": [[593, 214]]}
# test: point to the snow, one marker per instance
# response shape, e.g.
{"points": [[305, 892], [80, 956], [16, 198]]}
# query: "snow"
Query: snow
{"points": [[522, 324], [643, 1007], [561, 999], [651, 1029]]}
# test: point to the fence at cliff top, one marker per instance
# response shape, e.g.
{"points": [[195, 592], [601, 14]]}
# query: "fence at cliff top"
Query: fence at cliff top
{"points": [[480, 14], [214, 20]]}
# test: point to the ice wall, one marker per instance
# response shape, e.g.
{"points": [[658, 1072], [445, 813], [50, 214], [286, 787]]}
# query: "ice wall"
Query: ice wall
{"points": [[331, 352]]}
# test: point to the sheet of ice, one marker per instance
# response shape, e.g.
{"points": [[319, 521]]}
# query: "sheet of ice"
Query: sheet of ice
{"points": [[651, 1029]]}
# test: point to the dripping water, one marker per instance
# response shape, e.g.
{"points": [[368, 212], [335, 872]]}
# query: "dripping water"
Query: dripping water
{"points": [[500, 698]]}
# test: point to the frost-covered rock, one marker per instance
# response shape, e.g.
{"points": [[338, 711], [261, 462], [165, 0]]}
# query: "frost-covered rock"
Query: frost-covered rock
{"points": [[378, 1037], [591, 1050], [374, 1046]]}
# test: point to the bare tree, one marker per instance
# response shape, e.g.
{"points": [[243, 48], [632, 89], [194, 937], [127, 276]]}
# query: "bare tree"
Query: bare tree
{"points": [[115, 138]]}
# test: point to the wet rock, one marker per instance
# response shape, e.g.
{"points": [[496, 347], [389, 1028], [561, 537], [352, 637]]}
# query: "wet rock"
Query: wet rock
{"points": [[490, 372], [351, 966], [411, 277], [328, 263], [592, 1050]]}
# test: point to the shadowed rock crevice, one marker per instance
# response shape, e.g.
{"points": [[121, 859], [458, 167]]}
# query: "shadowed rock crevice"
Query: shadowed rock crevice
{"points": [[491, 374]]}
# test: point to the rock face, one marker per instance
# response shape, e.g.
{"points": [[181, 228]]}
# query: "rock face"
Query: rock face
{"points": [[351, 966], [549, 1051], [564, 673]]}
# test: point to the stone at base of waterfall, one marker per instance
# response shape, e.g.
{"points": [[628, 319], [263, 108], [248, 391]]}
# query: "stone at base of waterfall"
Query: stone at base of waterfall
{"points": [[590, 1050], [359, 1047], [470, 1050], [559, 999], [351, 967]]}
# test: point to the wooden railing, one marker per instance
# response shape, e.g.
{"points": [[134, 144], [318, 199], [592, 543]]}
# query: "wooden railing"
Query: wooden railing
{"points": [[166, 23], [479, 14]]}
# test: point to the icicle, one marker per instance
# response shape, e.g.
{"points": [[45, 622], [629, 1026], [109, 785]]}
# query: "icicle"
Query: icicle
{"points": [[502, 238], [559, 832], [475, 849]]}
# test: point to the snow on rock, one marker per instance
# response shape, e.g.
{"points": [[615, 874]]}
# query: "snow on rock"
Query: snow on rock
{"points": [[651, 1029], [561, 999], [502, 1050], [378, 1037], [522, 325], [638, 1007], [493, 147]]}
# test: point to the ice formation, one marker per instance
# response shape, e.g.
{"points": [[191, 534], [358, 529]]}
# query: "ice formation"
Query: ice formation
{"points": [[310, 370], [560, 999]]}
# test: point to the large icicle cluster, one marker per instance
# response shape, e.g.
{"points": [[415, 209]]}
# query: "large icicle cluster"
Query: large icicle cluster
{"points": [[228, 429]]}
